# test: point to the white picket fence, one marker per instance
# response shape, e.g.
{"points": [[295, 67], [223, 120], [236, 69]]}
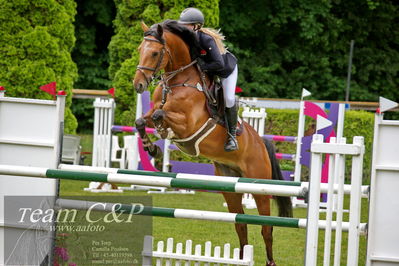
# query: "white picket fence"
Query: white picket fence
{"points": [[179, 255]]}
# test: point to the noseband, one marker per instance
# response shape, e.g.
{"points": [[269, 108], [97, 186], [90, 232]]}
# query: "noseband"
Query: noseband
{"points": [[156, 68]]}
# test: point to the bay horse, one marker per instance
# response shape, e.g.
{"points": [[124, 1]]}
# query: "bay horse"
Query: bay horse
{"points": [[180, 112]]}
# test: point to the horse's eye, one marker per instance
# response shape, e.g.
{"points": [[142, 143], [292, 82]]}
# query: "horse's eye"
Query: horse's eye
{"points": [[154, 54]]}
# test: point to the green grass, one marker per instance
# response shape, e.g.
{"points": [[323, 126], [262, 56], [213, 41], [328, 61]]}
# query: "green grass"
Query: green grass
{"points": [[288, 243]]}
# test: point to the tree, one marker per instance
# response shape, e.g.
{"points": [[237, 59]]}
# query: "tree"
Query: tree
{"points": [[285, 45], [128, 36], [36, 40], [93, 31]]}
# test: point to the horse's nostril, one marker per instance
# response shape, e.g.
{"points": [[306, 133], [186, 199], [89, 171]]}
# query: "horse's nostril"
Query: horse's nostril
{"points": [[140, 87]]}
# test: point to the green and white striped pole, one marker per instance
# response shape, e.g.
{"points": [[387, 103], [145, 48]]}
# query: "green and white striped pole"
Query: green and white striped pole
{"points": [[136, 209], [85, 168], [239, 185], [193, 214], [323, 186]]}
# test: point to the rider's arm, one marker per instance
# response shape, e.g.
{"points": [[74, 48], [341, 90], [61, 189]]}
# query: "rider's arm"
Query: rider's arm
{"points": [[213, 59]]}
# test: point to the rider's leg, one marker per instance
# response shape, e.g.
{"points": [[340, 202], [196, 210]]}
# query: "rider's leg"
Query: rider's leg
{"points": [[229, 86]]}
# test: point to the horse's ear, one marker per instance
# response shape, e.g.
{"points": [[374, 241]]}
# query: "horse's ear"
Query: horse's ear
{"points": [[160, 30], [144, 26]]}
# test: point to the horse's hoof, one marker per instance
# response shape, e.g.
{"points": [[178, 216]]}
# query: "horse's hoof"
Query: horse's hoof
{"points": [[271, 263], [158, 116], [140, 125], [156, 152]]}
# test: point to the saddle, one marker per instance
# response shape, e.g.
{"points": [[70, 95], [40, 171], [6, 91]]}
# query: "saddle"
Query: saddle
{"points": [[215, 104]]}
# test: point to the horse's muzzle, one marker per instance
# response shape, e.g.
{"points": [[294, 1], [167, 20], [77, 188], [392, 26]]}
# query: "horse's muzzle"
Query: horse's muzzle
{"points": [[140, 87]]}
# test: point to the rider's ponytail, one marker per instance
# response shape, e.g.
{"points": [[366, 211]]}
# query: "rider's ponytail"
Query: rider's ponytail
{"points": [[217, 36]]}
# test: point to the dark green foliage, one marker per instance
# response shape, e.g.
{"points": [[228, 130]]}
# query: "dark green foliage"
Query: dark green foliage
{"points": [[285, 45], [128, 36], [93, 34], [36, 39], [83, 109], [93, 31]]}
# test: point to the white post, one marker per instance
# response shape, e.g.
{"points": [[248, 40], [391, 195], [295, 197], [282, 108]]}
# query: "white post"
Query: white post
{"points": [[378, 119], [139, 106], [139, 113], [103, 121], [147, 250], [301, 130], [101, 149], [94, 161], [312, 228], [59, 132], [108, 132], [166, 156], [355, 202], [340, 201], [329, 212], [340, 134]]}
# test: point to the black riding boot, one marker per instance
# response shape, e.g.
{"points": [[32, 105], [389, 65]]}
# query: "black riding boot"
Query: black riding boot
{"points": [[231, 119]]}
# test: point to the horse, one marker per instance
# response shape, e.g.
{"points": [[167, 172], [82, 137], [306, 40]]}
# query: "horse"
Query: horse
{"points": [[180, 112]]}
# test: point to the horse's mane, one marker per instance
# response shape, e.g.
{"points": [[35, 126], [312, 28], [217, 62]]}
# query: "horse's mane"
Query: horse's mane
{"points": [[187, 35]]}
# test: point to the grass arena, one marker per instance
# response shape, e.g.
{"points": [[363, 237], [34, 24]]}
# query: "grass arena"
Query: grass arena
{"points": [[39, 146]]}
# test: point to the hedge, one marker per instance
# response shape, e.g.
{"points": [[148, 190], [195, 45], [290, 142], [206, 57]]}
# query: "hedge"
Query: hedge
{"points": [[36, 40]]}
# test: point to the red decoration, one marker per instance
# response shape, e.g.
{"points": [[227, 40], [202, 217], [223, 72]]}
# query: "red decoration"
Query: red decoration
{"points": [[50, 88], [112, 92], [2, 88], [238, 89], [203, 52]]}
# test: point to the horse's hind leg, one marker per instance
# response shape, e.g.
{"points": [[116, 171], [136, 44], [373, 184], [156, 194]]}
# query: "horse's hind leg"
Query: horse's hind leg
{"points": [[263, 205], [254, 170], [234, 205]]}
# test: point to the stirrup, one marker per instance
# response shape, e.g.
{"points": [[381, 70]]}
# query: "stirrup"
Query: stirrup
{"points": [[231, 138]]}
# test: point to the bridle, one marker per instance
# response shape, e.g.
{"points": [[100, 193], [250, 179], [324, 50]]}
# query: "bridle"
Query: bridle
{"points": [[164, 78], [156, 68]]}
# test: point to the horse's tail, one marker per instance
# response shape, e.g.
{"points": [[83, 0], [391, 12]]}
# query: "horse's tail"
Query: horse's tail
{"points": [[284, 203]]}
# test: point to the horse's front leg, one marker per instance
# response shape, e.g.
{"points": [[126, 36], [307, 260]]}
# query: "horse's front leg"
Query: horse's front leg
{"points": [[150, 147], [158, 118]]}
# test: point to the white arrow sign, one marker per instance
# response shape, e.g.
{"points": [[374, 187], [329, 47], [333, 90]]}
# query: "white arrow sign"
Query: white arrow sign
{"points": [[305, 93], [322, 122], [386, 104]]}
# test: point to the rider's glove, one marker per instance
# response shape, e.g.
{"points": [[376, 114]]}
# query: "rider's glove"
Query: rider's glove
{"points": [[201, 62]]}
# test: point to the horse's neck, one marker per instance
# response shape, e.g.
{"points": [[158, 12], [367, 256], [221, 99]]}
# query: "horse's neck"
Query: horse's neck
{"points": [[179, 52], [195, 107]]}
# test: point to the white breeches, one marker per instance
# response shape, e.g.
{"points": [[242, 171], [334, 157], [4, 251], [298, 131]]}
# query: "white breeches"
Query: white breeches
{"points": [[229, 88]]}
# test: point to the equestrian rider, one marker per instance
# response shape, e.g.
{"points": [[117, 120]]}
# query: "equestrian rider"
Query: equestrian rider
{"points": [[216, 60]]}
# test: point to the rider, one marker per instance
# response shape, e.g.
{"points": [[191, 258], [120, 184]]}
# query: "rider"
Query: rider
{"points": [[216, 60]]}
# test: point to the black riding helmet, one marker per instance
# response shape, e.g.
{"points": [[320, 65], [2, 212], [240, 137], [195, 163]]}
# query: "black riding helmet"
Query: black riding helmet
{"points": [[191, 15]]}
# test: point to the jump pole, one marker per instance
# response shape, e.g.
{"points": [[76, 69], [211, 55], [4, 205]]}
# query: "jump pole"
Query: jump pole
{"points": [[241, 186], [192, 214], [324, 186]]}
